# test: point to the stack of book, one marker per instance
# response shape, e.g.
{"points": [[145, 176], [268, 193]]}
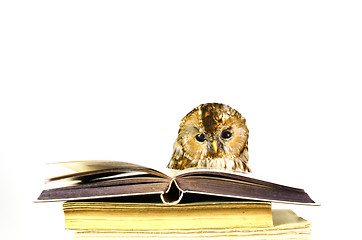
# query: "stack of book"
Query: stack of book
{"points": [[111, 199]]}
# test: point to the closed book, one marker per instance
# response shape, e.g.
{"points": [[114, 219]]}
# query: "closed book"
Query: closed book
{"points": [[286, 225], [163, 217]]}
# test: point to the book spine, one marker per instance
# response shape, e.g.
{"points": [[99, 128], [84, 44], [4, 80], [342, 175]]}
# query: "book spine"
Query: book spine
{"points": [[173, 193]]}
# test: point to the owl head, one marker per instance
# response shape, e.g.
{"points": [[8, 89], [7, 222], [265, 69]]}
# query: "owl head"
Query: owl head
{"points": [[212, 135]]}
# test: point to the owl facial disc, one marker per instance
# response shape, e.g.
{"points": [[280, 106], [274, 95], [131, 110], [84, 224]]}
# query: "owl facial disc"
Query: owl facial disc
{"points": [[212, 135]]}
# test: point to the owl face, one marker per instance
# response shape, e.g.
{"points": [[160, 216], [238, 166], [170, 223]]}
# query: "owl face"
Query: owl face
{"points": [[211, 135]]}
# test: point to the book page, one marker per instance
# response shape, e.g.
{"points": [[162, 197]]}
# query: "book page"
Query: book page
{"points": [[92, 165], [227, 184], [283, 217], [91, 169]]}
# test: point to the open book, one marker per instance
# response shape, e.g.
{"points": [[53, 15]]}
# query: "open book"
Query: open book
{"points": [[110, 179]]}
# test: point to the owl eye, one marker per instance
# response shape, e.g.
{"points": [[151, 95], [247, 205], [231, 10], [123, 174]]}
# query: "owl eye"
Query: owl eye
{"points": [[226, 134], [200, 137]]}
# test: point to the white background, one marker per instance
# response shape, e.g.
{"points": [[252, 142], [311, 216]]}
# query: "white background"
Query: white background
{"points": [[111, 80]]}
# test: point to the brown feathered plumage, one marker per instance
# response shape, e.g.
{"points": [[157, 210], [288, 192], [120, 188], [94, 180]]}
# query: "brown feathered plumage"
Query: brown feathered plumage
{"points": [[212, 135]]}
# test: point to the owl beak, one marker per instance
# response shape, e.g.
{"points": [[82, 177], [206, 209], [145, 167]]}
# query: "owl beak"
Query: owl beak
{"points": [[214, 144]]}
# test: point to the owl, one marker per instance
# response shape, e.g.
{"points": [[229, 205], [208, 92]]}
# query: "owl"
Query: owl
{"points": [[212, 135]]}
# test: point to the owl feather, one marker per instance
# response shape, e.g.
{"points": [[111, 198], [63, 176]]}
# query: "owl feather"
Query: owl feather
{"points": [[212, 135]]}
